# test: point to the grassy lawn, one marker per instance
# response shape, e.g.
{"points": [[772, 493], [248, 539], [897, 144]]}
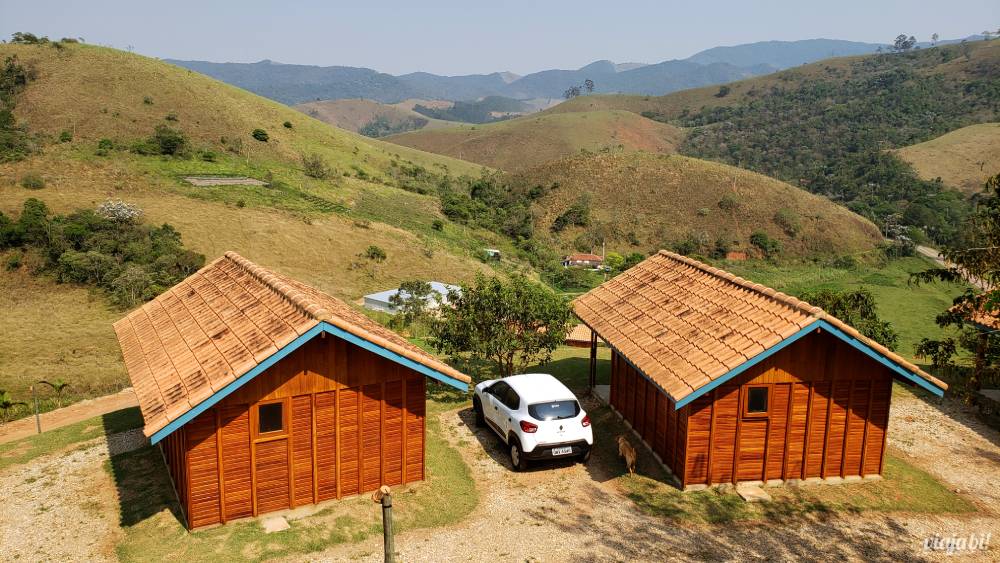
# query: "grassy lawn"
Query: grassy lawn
{"points": [[154, 532], [910, 309]]}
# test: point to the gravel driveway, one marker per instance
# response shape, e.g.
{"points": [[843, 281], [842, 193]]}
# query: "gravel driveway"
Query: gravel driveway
{"points": [[568, 513], [64, 507]]}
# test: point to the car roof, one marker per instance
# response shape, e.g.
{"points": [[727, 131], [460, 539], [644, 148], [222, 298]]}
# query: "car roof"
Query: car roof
{"points": [[538, 387]]}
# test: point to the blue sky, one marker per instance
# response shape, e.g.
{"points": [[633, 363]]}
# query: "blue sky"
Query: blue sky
{"points": [[461, 37]]}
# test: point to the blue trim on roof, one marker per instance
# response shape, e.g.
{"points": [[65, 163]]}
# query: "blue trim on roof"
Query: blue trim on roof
{"points": [[288, 349], [856, 343], [896, 368]]}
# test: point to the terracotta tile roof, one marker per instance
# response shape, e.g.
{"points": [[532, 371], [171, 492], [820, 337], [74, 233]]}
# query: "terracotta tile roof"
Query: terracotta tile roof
{"points": [[684, 323], [584, 258], [580, 334], [221, 322]]}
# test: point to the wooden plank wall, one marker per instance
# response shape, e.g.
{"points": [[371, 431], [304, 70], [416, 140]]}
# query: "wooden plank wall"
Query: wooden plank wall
{"points": [[828, 407], [354, 421], [650, 411]]}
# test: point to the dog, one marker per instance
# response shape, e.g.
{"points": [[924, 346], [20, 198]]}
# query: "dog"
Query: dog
{"points": [[626, 450]]}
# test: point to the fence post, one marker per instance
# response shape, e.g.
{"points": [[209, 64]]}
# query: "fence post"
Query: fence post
{"points": [[384, 496], [34, 399]]}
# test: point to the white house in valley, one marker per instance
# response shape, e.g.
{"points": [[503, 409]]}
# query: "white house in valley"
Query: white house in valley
{"points": [[382, 301]]}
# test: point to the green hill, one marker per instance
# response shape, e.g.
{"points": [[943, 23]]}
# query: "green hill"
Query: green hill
{"points": [[641, 202], [825, 126], [310, 228], [963, 159], [532, 140]]}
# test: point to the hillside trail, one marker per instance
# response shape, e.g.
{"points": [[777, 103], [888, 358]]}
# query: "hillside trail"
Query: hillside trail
{"points": [[934, 255], [573, 512], [77, 412]]}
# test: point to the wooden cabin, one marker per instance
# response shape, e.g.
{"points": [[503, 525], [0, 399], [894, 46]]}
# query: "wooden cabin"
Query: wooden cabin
{"points": [[727, 381], [265, 394]]}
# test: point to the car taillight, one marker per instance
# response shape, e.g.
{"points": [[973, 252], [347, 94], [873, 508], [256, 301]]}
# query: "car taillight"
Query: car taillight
{"points": [[586, 420], [528, 427]]}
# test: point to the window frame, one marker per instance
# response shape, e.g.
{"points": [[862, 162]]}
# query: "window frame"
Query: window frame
{"points": [[280, 433], [747, 413]]}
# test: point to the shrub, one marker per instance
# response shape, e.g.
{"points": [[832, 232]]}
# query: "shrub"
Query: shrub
{"points": [[314, 166], [729, 203], [14, 261], [32, 181], [788, 221], [260, 135], [577, 214], [767, 245], [723, 92], [208, 155], [169, 140], [104, 146], [147, 100], [437, 225], [374, 253], [65, 137], [171, 116], [119, 211], [845, 263], [287, 124]]}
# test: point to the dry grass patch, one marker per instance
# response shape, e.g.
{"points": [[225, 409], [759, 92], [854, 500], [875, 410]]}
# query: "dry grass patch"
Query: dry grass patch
{"points": [[963, 159], [535, 139]]}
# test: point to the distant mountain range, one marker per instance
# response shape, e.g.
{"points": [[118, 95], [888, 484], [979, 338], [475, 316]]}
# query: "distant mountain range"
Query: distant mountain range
{"points": [[293, 84]]}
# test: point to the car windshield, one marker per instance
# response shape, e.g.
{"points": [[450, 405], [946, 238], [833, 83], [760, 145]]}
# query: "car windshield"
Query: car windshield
{"points": [[554, 410]]}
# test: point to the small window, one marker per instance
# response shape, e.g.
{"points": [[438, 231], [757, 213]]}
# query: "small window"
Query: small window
{"points": [[269, 418], [757, 400], [511, 399]]}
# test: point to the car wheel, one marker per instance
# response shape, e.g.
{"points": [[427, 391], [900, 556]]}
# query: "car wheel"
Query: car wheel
{"points": [[477, 406], [517, 459]]}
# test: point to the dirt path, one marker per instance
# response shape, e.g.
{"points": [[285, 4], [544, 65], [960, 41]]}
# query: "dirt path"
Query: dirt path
{"points": [[936, 257], [76, 412], [570, 513]]}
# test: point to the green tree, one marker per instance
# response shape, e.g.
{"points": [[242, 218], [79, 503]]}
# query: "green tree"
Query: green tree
{"points": [[975, 258], [614, 261], [512, 323], [411, 302], [858, 309]]}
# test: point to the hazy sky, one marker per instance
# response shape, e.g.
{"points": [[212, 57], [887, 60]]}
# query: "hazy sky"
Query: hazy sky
{"points": [[461, 37]]}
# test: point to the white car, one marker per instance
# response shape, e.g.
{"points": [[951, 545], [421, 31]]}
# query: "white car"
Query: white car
{"points": [[536, 416]]}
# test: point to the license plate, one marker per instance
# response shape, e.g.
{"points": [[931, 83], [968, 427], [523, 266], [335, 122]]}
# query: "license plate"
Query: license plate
{"points": [[562, 451]]}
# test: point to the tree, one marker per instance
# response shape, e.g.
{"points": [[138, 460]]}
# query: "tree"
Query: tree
{"points": [[571, 92], [614, 261], [59, 386], [374, 255], [411, 302], [858, 309], [903, 43], [7, 403], [314, 166], [975, 258], [934, 39], [512, 323], [723, 91], [588, 85]]}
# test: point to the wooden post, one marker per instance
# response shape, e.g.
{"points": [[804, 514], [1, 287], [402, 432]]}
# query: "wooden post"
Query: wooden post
{"points": [[593, 360], [38, 419], [383, 495]]}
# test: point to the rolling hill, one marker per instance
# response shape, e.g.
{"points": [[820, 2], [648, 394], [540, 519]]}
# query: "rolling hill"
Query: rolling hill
{"points": [[641, 201], [963, 159], [355, 114], [535, 139], [309, 228]]}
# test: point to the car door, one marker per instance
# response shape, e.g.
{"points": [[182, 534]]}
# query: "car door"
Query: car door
{"points": [[509, 403], [493, 405]]}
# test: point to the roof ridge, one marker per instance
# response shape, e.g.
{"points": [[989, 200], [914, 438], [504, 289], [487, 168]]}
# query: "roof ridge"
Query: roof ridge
{"points": [[296, 298], [762, 289]]}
